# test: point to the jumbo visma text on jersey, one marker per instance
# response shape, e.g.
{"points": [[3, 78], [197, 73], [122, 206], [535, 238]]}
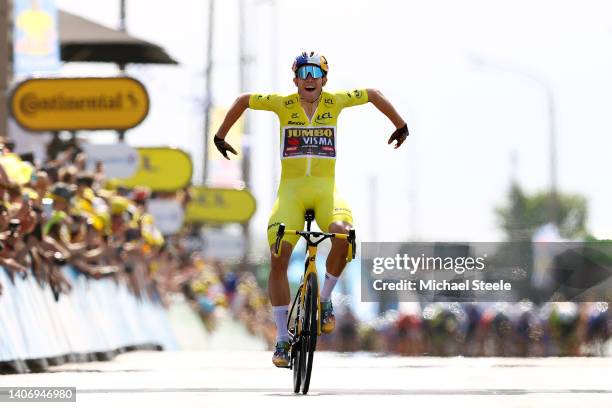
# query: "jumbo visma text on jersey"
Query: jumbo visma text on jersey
{"points": [[309, 142]]}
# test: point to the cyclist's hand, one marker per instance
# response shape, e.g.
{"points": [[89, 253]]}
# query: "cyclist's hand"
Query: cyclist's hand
{"points": [[399, 136], [224, 147]]}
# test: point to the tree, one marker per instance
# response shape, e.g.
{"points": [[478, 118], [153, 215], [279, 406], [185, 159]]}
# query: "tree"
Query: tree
{"points": [[524, 213]]}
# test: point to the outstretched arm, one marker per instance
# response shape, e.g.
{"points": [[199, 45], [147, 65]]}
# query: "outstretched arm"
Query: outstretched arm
{"points": [[233, 114], [383, 105]]}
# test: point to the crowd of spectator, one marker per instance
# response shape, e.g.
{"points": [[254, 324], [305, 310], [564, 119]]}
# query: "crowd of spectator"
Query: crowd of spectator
{"points": [[520, 329], [59, 212]]}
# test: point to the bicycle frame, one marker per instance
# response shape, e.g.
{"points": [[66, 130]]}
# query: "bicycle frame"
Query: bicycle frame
{"points": [[303, 302], [311, 267]]}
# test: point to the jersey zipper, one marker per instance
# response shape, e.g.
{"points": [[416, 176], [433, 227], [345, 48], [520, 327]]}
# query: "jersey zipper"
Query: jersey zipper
{"points": [[309, 119]]}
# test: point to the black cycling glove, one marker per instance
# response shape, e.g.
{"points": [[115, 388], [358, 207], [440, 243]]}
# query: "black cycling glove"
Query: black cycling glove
{"points": [[224, 147], [399, 135]]}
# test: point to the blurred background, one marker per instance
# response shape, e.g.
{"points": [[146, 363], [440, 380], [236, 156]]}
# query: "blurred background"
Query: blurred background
{"points": [[506, 105], [474, 80]]}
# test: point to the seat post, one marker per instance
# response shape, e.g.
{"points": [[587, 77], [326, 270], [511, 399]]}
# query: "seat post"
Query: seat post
{"points": [[309, 217]]}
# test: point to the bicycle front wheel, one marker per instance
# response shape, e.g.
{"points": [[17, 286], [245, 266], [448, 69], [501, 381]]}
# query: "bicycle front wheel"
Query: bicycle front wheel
{"points": [[293, 322], [309, 330]]}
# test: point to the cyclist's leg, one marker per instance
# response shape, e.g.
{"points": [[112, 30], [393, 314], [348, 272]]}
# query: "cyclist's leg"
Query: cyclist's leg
{"points": [[287, 210], [334, 215], [336, 261]]}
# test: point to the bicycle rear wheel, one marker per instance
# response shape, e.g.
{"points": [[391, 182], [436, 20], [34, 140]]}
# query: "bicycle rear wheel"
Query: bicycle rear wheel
{"points": [[309, 331]]}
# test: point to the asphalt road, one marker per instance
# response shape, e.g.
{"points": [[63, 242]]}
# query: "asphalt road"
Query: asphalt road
{"points": [[240, 379]]}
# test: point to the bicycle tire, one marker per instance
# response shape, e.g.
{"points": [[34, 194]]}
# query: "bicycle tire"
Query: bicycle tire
{"points": [[309, 330], [295, 366], [295, 343]]}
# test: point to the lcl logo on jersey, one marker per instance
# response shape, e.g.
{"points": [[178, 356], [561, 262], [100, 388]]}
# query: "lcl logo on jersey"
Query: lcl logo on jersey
{"points": [[290, 103], [326, 115]]}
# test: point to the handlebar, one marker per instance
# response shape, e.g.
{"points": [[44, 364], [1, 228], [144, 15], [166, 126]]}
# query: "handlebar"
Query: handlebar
{"points": [[350, 238]]}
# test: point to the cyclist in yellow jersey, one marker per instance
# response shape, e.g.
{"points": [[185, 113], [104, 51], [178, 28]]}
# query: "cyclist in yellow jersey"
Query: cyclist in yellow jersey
{"points": [[308, 141]]}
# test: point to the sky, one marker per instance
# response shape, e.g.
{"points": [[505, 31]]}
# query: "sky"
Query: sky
{"points": [[466, 120]]}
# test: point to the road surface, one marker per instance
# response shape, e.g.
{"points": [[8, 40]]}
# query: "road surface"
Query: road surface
{"points": [[241, 379]]}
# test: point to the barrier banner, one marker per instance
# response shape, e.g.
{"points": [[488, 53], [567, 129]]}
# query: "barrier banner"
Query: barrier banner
{"points": [[97, 316]]}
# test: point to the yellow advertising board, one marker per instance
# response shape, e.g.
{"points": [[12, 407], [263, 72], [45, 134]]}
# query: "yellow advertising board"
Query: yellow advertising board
{"points": [[160, 169], [220, 205], [50, 104]]}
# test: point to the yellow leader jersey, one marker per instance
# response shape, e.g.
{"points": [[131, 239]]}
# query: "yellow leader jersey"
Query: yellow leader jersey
{"points": [[308, 148]]}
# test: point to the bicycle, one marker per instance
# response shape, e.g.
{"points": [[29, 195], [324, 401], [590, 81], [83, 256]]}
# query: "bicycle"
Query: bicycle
{"points": [[305, 326]]}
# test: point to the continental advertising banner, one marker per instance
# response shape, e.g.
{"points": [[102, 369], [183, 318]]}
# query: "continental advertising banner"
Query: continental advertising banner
{"points": [[53, 104], [161, 169]]}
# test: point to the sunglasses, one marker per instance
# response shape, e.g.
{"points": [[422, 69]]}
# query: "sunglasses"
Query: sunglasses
{"points": [[312, 70]]}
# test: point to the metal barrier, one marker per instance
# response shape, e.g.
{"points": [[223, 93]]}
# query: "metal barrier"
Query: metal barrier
{"points": [[96, 320]]}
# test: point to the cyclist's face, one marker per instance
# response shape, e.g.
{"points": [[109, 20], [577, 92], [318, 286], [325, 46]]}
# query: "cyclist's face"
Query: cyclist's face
{"points": [[309, 89]]}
